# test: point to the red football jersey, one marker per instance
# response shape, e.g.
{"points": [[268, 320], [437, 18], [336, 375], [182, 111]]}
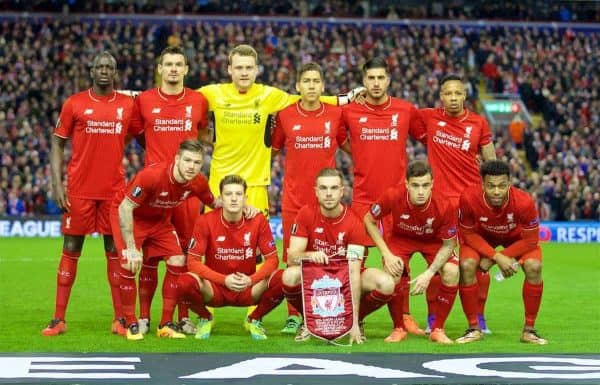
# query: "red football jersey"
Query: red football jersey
{"points": [[156, 192], [168, 120], [97, 126], [453, 144], [378, 136], [434, 221], [329, 235], [231, 247], [498, 226], [310, 140]]}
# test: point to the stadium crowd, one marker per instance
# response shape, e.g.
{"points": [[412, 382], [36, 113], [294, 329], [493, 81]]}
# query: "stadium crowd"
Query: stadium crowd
{"points": [[43, 61], [529, 10]]}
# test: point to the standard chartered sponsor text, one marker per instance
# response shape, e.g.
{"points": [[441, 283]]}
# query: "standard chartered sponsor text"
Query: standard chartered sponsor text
{"points": [[230, 253], [169, 125], [375, 133], [445, 139], [100, 127], [309, 142]]}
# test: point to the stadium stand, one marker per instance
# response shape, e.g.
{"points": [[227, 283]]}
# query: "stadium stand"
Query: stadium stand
{"points": [[43, 60]]}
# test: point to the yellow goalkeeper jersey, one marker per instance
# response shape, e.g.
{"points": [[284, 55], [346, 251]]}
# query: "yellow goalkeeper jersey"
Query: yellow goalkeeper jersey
{"points": [[242, 124]]}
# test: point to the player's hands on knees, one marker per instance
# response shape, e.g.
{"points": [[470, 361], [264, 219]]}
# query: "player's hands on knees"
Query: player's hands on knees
{"points": [[250, 211], [235, 282], [134, 259], [421, 283], [319, 257], [485, 264], [355, 335], [393, 265], [506, 264]]}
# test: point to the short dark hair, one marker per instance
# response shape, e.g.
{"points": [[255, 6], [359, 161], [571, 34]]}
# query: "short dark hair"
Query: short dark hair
{"points": [[191, 145], [329, 171], [494, 168], [172, 50], [376, 62], [232, 179], [310, 66], [101, 55], [417, 168], [451, 77]]}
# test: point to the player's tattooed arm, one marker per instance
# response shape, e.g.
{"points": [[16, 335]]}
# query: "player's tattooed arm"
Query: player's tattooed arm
{"points": [[421, 282]]}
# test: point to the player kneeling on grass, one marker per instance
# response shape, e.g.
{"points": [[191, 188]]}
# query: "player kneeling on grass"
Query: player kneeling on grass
{"points": [[228, 243], [494, 214], [422, 222], [141, 220], [323, 232]]}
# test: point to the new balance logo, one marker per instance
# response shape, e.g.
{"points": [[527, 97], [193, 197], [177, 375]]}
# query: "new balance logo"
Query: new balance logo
{"points": [[319, 230], [441, 124], [88, 111], [296, 127], [363, 119], [483, 219], [221, 238], [156, 110], [164, 194], [404, 216]]}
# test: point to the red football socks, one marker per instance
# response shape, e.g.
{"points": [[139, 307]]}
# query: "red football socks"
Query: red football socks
{"points": [[65, 277]]}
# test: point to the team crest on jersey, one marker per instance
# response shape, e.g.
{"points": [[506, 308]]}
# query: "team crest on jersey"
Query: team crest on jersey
{"points": [[394, 122], [429, 225], [510, 217], [468, 130], [120, 113], [340, 238], [327, 127], [136, 192], [376, 210], [188, 111], [247, 238]]}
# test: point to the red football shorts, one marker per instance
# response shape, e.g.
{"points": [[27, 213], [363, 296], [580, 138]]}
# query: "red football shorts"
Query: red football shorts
{"points": [[87, 216], [184, 218], [156, 239], [466, 252], [405, 249], [222, 296]]}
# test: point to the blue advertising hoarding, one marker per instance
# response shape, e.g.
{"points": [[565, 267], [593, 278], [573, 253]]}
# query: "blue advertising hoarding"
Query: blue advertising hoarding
{"points": [[563, 232]]}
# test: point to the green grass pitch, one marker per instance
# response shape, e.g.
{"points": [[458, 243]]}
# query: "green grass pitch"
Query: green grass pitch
{"points": [[569, 316]]}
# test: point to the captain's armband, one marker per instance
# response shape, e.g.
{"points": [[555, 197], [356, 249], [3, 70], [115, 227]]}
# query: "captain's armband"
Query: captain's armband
{"points": [[355, 252]]}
